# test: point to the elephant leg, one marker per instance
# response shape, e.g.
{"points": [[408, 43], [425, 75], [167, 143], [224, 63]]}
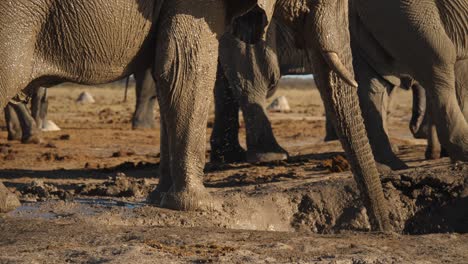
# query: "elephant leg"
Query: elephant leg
{"points": [[30, 131], [451, 125], [39, 106], [225, 146], [461, 85], [143, 118], [434, 149], [373, 96], [12, 123], [8, 201], [185, 72], [261, 142], [387, 106], [165, 179]]}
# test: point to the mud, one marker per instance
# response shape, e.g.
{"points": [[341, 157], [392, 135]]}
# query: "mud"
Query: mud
{"points": [[83, 195]]}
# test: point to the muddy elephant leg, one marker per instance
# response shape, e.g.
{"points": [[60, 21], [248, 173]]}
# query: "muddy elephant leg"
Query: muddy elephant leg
{"points": [[185, 72], [225, 146], [461, 85], [30, 131], [387, 107], [433, 149], [143, 117], [39, 106], [261, 142], [165, 179], [8, 201], [373, 96], [452, 128], [12, 123]]}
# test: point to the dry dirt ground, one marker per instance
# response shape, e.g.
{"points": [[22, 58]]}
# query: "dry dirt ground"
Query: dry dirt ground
{"points": [[83, 192]]}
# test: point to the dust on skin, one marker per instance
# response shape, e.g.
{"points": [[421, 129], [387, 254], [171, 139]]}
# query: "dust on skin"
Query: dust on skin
{"points": [[77, 208]]}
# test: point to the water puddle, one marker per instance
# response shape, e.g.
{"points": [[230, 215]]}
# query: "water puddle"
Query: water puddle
{"points": [[55, 209], [100, 202]]}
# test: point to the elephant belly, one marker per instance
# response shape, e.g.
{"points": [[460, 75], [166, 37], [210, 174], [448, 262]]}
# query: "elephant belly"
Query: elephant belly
{"points": [[95, 41]]}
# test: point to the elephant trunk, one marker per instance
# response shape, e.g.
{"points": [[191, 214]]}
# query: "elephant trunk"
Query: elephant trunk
{"points": [[418, 123], [335, 77]]}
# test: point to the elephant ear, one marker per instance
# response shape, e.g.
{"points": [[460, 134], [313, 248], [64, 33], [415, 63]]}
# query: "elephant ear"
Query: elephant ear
{"points": [[249, 19]]}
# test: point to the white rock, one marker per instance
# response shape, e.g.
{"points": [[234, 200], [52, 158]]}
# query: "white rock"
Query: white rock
{"points": [[85, 98], [50, 126], [280, 104]]}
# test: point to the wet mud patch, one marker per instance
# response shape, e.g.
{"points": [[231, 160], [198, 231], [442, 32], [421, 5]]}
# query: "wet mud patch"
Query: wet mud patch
{"points": [[421, 200], [40, 191], [117, 186], [434, 201]]}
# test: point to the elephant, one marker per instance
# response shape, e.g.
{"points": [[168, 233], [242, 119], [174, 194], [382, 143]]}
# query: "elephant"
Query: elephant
{"points": [[84, 43], [49, 42], [247, 75], [433, 53]]}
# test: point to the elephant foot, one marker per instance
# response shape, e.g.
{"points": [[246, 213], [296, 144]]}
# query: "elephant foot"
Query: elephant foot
{"points": [[14, 136], [258, 157], [433, 153], [389, 165], [32, 139], [155, 197], [330, 137], [444, 153], [421, 134], [194, 199], [143, 125], [235, 155], [8, 201], [395, 148]]}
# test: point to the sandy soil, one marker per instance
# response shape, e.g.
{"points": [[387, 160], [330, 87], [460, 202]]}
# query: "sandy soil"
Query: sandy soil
{"points": [[83, 192]]}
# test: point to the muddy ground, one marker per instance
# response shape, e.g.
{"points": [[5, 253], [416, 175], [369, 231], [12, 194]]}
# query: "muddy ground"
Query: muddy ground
{"points": [[83, 192]]}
